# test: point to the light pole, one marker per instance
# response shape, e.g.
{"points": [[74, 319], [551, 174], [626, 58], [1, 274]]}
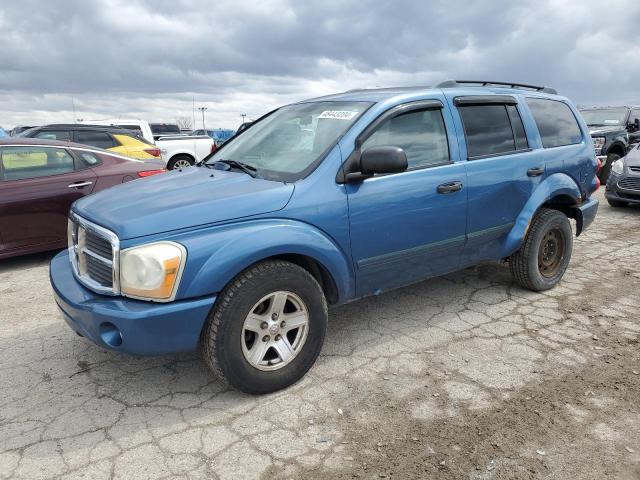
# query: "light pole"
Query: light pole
{"points": [[203, 109], [243, 117]]}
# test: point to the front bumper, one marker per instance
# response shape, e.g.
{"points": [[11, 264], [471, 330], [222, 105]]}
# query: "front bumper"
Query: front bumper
{"points": [[614, 191], [124, 325]]}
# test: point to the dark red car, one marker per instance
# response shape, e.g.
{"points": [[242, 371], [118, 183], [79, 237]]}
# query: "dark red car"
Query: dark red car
{"points": [[40, 179]]}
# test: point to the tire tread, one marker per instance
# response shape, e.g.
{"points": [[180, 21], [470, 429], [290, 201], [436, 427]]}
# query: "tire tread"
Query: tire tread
{"points": [[209, 334], [518, 263]]}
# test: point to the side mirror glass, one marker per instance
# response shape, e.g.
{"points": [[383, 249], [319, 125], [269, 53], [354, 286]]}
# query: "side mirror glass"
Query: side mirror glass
{"points": [[382, 160]]}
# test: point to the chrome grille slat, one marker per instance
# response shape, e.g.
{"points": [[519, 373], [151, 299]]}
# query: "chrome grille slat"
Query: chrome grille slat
{"points": [[630, 183], [94, 252]]}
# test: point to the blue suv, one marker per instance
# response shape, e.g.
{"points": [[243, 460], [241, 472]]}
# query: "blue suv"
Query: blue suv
{"points": [[323, 202]]}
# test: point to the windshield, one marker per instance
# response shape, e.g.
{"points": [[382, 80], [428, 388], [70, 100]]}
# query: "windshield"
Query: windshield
{"points": [[287, 144], [604, 116]]}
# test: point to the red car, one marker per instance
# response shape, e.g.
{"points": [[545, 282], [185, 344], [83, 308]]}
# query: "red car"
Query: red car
{"points": [[40, 179]]}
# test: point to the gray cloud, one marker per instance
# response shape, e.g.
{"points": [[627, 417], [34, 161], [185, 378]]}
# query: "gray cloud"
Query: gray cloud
{"points": [[150, 58]]}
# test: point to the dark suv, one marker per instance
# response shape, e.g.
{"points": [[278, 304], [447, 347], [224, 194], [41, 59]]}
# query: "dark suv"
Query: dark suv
{"points": [[614, 130]]}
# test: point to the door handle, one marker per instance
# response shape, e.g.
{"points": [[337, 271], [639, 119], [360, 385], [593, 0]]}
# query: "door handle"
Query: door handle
{"points": [[449, 187], [535, 172], [80, 184]]}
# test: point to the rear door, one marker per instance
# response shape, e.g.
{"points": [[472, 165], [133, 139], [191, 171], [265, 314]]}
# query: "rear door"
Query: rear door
{"points": [[502, 169], [411, 225], [37, 187]]}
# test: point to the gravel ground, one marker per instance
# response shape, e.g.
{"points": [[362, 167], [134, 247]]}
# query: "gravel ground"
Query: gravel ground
{"points": [[465, 376]]}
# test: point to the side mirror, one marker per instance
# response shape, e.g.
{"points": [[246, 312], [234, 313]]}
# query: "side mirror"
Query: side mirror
{"points": [[379, 161]]}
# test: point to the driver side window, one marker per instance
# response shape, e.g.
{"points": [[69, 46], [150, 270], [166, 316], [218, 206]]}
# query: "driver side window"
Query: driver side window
{"points": [[420, 133]]}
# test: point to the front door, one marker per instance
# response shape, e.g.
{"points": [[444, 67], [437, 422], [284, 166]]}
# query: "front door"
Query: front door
{"points": [[37, 187], [411, 225]]}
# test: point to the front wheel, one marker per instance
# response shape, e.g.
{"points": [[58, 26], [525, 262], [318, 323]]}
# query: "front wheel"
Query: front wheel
{"points": [[267, 327], [544, 256]]}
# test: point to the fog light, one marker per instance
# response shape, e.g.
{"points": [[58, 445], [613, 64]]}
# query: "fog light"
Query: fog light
{"points": [[110, 334]]}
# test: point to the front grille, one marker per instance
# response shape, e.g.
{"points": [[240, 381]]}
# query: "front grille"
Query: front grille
{"points": [[94, 252], [630, 183], [634, 169]]}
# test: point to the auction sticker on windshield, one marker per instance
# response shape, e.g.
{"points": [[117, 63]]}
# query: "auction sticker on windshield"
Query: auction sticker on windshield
{"points": [[338, 114]]}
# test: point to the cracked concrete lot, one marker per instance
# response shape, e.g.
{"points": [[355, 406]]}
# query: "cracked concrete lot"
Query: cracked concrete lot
{"points": [[465, 376]]}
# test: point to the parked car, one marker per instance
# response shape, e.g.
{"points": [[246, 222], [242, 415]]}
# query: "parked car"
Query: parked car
{"points": [[623, 186], [614, 130], [327, 201], [219, 135], [3, 133], [40, 179], [179, 151], [117, 140], [19, 129]]}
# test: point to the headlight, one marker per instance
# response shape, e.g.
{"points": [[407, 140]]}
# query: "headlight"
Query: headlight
{"points": [[617, 167], [598, 143], [152, 272]]}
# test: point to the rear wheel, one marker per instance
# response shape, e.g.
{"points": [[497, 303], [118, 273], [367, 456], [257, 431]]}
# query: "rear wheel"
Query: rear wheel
{"points": [[267, 328], [544, 256], [616, 203], [180, 161]]}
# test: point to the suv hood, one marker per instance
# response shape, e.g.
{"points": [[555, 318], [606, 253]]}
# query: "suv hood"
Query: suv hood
{"points": [[181, 199], [604, 130]]}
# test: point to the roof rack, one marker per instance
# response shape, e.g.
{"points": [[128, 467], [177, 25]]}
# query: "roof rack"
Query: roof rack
{"points": [[488, 83]]}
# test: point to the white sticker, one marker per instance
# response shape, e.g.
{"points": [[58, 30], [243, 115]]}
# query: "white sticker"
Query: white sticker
{"points": [[338, 114]]}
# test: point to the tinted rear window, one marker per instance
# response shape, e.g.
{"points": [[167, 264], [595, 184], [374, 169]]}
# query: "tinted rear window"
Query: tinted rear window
{"points": [[134, 128], [164, 129], [556, 123]]}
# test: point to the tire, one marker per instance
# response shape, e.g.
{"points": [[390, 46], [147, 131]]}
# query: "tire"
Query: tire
{"points": [[530, 266], [227, 343], [180, 161], [616, 203], [603, 174]]}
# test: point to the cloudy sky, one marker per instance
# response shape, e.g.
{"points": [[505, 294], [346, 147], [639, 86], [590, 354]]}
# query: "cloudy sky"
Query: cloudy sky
{"points": [[151, 58]]}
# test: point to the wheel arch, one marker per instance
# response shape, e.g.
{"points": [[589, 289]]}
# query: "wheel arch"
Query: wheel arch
{"points": [[558, 192], [617, 148], [182, 154], [218, 256]]}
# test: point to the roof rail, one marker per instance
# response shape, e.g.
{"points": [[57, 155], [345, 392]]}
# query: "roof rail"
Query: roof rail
{"points": [[488, 83]]}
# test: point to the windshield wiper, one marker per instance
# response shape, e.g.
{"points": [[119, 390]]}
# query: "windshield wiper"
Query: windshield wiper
{"points": [[245, 167]]}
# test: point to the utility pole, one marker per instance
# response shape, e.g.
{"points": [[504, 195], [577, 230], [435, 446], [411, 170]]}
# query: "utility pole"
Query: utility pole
{"points": [[203, 109]]}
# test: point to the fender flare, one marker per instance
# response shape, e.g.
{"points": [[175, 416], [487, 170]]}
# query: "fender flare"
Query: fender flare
{"points": [[552, 186], [220, 254]]}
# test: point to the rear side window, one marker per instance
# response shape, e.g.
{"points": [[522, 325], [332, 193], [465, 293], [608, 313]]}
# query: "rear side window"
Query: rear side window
{"points": [[62, 135], [492, 129], [95, 139], [556, 123], [421, 134], [88, 158], [19, 163]]}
